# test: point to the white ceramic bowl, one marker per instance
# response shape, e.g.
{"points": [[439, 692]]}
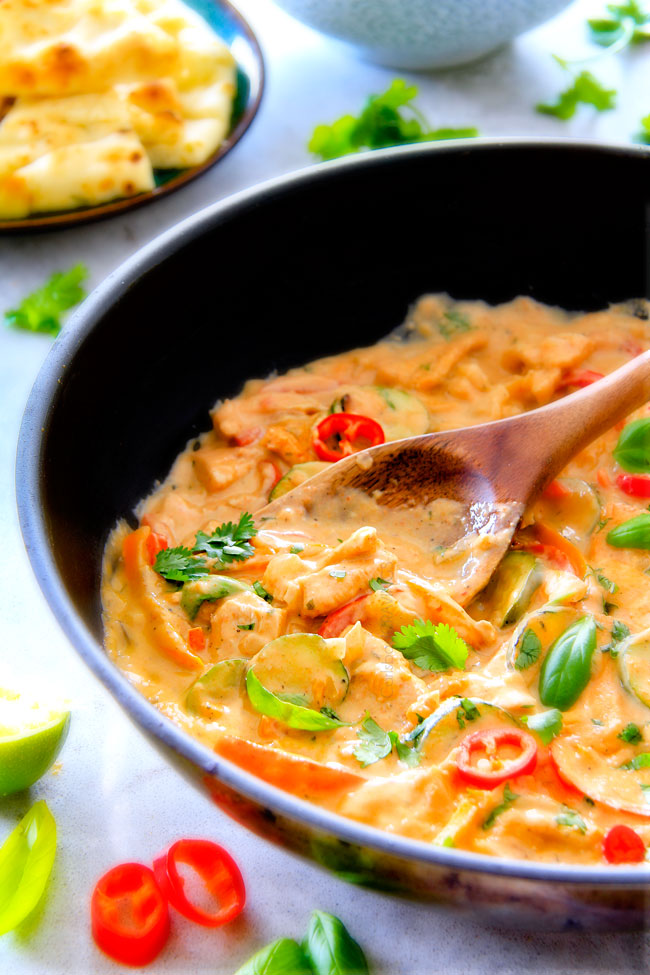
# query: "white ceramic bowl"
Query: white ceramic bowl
{"points": [[421, 34]]}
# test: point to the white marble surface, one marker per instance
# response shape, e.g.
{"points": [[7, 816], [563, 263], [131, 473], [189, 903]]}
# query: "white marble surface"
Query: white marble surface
{"points": [[114, 798]]}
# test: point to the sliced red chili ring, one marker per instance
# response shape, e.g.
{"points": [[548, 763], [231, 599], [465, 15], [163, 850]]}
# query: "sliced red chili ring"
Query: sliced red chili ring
{"points": [[489, 741], [219, 873], [340, 434], [623, 845], [129, 914], [580, 379], [636, 485]]}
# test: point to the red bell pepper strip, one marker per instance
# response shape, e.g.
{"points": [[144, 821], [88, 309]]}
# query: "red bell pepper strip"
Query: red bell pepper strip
{"points": [[247, 437], [341, 434], [196, 639], [579, 380], [623, 845], [541, 539], [636, 485], [219, 873], [129, 914], [155, 543], [489, 741], [345, 616], [555, 491]]}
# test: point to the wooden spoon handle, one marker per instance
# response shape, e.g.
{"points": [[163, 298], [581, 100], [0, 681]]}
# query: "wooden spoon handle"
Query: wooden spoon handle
{"points": [[528, 451]]}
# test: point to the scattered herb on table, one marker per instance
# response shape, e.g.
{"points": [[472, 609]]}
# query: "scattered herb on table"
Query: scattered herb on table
{"points": [[328, 948], [26, 859], [432, 646], [41, 310], [622, 27], [389, 119], [644, 134], [585, 90]]}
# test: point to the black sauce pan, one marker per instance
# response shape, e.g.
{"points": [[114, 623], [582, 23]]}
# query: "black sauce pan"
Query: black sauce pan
{"points": [[308, 265]]}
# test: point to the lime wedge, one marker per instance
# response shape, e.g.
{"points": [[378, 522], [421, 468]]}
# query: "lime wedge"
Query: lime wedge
{"points": [[31, 736]]}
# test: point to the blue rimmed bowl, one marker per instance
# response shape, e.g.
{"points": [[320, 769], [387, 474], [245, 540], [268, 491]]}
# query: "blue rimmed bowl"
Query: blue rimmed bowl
{"points": [[360, 239]]}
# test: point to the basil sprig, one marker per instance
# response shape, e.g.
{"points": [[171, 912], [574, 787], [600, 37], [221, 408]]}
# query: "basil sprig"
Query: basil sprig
{"points": [[331, 949], [632, 451], [567, 666], [282, 957], [634, 533], [294, 715]]}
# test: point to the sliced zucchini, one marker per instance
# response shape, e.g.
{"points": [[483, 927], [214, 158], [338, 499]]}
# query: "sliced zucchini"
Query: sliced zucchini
{"points": [[212, 687], [303, 668], [563, 587], [447, 726], [575, 514], [208, 589], [589, 772], [400, 414], [298, 474], [533, 637], [512, 587], [634, 666]]}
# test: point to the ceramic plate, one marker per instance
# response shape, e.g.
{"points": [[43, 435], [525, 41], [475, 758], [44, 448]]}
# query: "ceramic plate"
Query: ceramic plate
{"points": [[229, 24]]}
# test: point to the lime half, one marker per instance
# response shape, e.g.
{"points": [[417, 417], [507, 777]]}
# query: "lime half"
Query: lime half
{"points": [[31, 736]]}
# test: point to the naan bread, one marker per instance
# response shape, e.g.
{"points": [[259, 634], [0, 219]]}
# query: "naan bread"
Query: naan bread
{"points": [[60, 153]]}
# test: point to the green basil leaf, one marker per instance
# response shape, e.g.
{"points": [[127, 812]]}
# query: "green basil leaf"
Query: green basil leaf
{"points": [[330, 948], [546, 724], [632, 451], [566, 668], [638, 762], [26, 859], [291, 714], [282, 957], [634, 533]]}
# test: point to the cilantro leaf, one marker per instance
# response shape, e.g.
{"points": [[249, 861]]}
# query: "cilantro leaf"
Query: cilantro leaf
{"points": [[375, 743], [546, 724], [378, 584], [179, 565], [638, 762], [432, 646], [41, 310], [585, 90], [569, 817], [622, 26], [229, 542], [631, 733], [410, 756], [466, 712], [262, 592], [606, 583], [381, 123], [508, 798], [620, 631], [529, 652]]}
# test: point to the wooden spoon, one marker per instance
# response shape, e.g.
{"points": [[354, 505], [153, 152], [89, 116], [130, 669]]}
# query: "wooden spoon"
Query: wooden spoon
{"points": [[458, 495]]}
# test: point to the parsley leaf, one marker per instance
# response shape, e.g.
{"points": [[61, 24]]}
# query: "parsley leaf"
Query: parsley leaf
{"points": [[375, 743], [508, 799], [546, 724], [585, 90], [529, 651], [381, 123], [569, 817], [410, 756], [631, 733], [262, 592], [229, 542], [179, 565], [41, 310], [378, 584], [432, 646]]}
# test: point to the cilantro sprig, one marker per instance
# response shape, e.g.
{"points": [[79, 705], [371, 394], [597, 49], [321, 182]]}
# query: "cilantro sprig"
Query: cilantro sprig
{"points": [[375, 744], [432, 646], [227, 544], [624, 26], [585, 90], [41, 310], [389, 119]]}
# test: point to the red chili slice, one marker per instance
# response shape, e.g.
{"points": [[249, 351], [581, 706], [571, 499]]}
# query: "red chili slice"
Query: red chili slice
{"points": [[341, 434], [580, 379], [219, 873], [489, 741], [623, 845], [129, 914], [339, 619], [155, 543], [636, 485]]}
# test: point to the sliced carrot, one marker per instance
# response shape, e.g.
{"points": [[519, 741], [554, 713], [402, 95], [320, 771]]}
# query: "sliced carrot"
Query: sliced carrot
{"points": [[301, 776], [602, 477], [549, 537], [196, 639], [144, 582]]}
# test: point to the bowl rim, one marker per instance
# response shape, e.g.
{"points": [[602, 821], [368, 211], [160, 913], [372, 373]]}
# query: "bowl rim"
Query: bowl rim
{"points": [[256, 76], [32, 435]]}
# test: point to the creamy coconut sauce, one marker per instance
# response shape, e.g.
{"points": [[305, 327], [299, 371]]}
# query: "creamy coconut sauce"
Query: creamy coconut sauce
{"points": [[358, 574]]}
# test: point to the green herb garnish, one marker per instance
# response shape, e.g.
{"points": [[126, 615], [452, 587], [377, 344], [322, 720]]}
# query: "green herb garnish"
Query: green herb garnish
{"points": [[180, 565], [531, 647], [631, 733], [638, 762], [262, 592], [228, 543], [569, 817], [453, 323], [382, 123], [632, 452], [432, 646], [466, 712], [546, 724], [378, 584], [41, 310], [508, 799]]}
